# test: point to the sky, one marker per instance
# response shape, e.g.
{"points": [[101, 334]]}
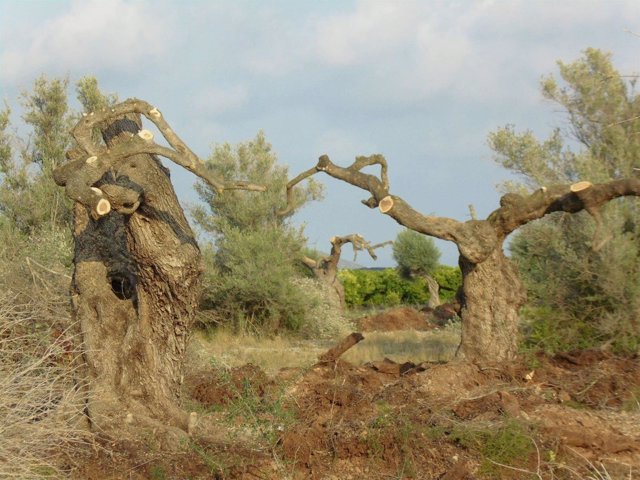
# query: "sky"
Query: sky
{"points": [[421, 82]]}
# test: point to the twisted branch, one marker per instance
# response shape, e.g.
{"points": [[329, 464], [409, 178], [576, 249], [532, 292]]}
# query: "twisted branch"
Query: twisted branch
{"points": [[517, 210], [90, 162], [330, 263]]}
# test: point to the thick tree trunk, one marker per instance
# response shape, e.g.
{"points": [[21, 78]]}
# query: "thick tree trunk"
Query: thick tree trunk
{"points": [[326, 273], [492, 297], [137, 270], [135, 291]]}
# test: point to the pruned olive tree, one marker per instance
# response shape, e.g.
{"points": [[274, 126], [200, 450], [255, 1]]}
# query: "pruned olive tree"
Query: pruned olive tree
{"points": [[137, 267], [492, 291], [325, 269]]}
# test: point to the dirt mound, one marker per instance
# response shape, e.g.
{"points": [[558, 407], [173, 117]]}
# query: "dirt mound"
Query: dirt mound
{"points": [[575, 412], [219, 387], [386, 420], [400, 318], [442, 314]]}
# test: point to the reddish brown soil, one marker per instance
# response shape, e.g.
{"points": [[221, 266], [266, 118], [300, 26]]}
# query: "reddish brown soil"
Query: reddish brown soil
{"points": [[578, 412], [400, 318]]}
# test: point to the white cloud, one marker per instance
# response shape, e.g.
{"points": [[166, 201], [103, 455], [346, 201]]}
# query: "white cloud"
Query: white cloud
{"points": [[479, 51], [90, 35], [372, 31], [217, 100]]}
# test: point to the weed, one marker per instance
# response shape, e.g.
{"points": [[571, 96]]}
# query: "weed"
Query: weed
{"points": [[510, 444], [507, 444], [266, 414], [388, 430], [435, 433], [157, 472], [384, 418]]}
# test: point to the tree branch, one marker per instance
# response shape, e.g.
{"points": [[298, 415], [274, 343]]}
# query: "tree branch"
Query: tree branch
{"points": [[290, 185], [475, 239], [84, 170], [516, 210]]}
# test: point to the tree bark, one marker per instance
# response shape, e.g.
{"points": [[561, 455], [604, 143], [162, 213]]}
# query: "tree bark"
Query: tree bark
{"points": [[135, 288], [492, 297], [137, 275]]}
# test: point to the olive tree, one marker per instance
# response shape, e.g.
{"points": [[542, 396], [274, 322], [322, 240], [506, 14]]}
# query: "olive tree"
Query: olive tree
{"points": [[492, 290], [137, 267], [325, 268]]}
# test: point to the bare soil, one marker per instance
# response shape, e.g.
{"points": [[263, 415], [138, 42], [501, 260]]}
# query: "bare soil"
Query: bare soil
{"points": [[399, 318], [572, 415]]}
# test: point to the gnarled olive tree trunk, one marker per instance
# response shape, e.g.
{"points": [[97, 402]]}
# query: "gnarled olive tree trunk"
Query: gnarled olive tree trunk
{"points": [[137, 271], [493, 295], [492, 291]]}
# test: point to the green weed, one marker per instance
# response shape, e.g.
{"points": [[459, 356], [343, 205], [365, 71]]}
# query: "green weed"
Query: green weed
{"points": [[508, 444], [157, 472]]}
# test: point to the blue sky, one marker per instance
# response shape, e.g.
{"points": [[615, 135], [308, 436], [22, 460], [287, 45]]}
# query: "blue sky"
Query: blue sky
{"points": [[422, 82]]}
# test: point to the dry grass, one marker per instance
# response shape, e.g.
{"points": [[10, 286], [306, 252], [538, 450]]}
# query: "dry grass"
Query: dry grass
{"points": [[406, 346], [39, 407], [272, 354]]}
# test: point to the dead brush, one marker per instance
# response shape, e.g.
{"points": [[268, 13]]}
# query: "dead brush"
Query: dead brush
{"points": [[41, 408]]}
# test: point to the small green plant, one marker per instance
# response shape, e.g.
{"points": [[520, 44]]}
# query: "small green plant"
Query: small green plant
{"points": [[157, 472], [398, 432], [384, 417], [509, 444], [267, 414]]}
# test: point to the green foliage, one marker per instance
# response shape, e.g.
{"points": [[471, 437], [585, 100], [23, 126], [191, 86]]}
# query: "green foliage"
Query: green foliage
{"points": [[157, 472], [250, 281], [35, 214], [450, 280], [366, 288], [91, 97], [28, 196], [415, 253], [250, 286], [252, 161], [592, 295]]}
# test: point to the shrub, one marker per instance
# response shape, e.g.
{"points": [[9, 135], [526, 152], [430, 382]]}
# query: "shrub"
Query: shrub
{"points": [[368, 288], [415, 253], [251, 287], [250, 280]]}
